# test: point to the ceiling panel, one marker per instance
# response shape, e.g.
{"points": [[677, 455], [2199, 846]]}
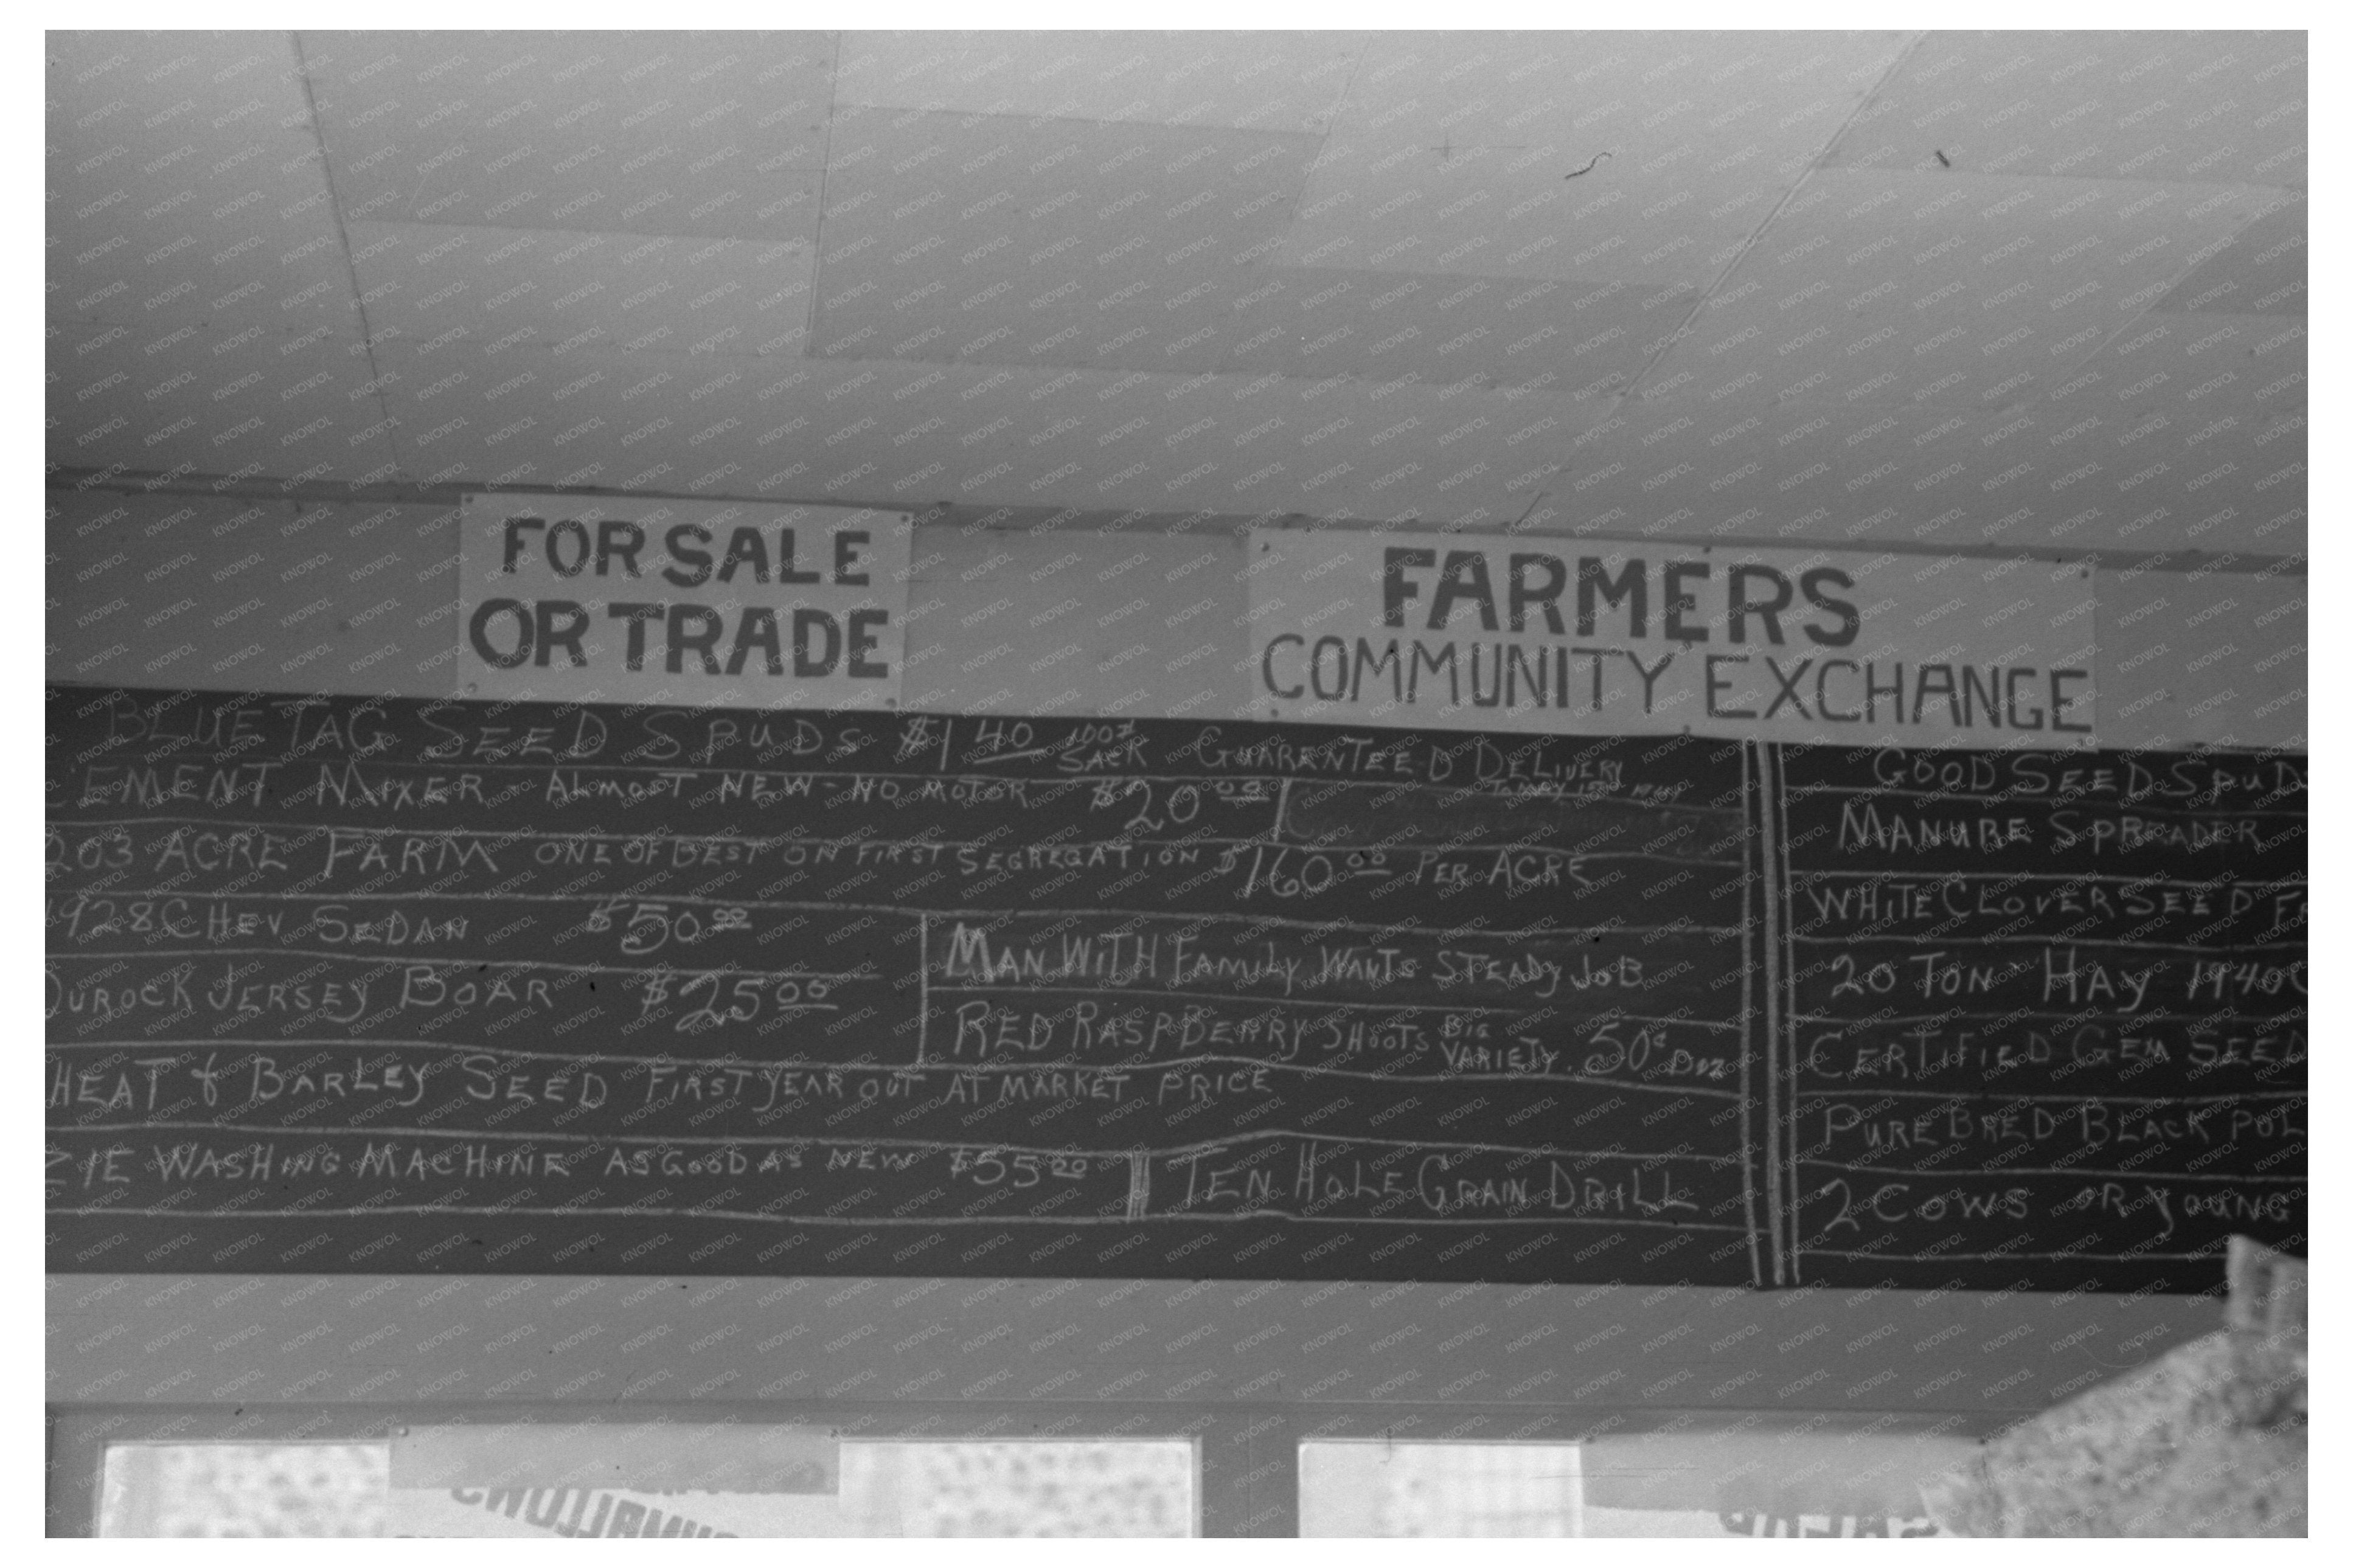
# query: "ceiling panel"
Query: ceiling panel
{"points": [[1256, 80], [1314, 322], [678, 422], [1037, 437], [591, 293], [2260, 270], [2059, 473], [185, 185], [1602, 281], [2209, 108], [2189, 369], [218, 401], [1018, 240], [1809, 473], [1240, 444], [1513, 213], [1949, 288], [1507, 91], [1578, 157], [1147, 275], [458, 414], [713, 134]]}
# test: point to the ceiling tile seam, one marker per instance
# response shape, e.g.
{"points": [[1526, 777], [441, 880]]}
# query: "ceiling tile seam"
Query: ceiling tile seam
{"points": [[1741, 254], [1314, 160], [2136, 180], [1520, 522], [1347, 86], [350, 263], [824, 178], [2190, 265]]}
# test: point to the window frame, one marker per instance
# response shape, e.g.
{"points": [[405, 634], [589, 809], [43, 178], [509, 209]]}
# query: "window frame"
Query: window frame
{"points": [[1233, 1484], [1246, 1455]]}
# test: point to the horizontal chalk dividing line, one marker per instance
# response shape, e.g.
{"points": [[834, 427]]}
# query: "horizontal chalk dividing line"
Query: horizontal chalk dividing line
{"points": [[2030, 939], [920, 1145], [746, 1064], [1302, 1002], [1733, 1024], [584, 1058], [1990, 1094], [667, 769], [341, 1041], [2082, 1018], [557, 1211], [1615, 1222], [165, 818], [1532, 790], [2007, 1171], [2144, 879], [1530, 1079], [1897, 792], [1287, 1001], [1883, 1255], [393, 961], [843, 780], [989, 913], [761, 1069]]}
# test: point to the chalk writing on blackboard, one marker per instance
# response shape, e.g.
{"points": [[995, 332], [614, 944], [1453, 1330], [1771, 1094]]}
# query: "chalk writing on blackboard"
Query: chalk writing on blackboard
{"points": [[530, 986]]}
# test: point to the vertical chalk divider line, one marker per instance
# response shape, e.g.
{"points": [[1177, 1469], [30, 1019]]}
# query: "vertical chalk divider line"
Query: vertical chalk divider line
{"points": [[1748, 896], [1139, 1160], [1767, 759], [1782, 902]]}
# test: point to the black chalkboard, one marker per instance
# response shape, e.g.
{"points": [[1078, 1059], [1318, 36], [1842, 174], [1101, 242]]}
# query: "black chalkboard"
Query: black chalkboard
{"points": [[2045, 1015], [395, 986]]}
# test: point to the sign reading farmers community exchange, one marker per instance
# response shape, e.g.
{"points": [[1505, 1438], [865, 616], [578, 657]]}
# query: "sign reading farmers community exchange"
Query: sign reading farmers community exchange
{"points": [[1463, 632]]}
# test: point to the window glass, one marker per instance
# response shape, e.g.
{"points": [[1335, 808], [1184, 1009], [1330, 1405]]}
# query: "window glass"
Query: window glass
{"points": [[1009, 1488], [1702, 1483], [1021, 1487], [244, 1489], [1383, 1489]]}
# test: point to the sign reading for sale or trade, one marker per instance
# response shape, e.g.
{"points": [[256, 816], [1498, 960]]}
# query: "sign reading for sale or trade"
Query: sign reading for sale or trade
{"points": [[696, 603]]}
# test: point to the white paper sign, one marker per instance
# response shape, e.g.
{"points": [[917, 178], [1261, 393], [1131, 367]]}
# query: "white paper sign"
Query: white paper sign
{"points": [[1472, 632], [597, 1513], [592, 1480], [707, 604]]}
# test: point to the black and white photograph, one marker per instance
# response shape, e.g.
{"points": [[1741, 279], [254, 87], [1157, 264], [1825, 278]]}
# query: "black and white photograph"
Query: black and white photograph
{"points": [[1259, 774]]}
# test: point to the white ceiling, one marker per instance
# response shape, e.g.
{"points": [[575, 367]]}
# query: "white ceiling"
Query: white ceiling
{"points": [[1933, 290]]}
